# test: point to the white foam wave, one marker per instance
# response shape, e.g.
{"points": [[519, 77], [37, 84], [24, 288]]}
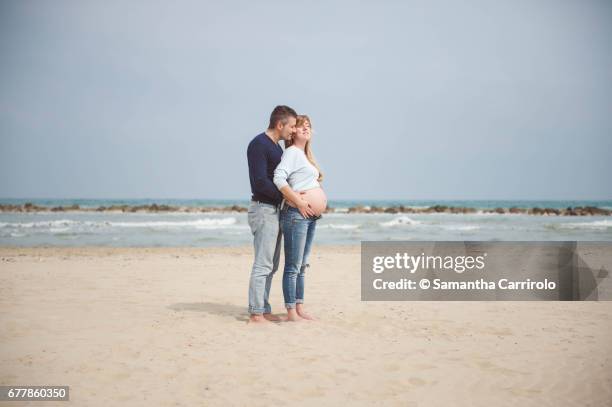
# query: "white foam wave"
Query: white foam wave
{"points": [[599, 224], [58, 230], [208, 223], [338, 226], [461, 227], [63, 225], [45, 224], [399, 221]]}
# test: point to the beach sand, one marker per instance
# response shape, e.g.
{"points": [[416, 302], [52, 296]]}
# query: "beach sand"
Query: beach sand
{"points": [[167, 327]]}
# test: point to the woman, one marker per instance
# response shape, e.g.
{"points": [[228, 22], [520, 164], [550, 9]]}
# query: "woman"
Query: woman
{"points": [[297, 176]]}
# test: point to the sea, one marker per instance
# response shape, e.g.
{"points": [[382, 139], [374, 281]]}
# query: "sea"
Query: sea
{"points": [[226, 228]]}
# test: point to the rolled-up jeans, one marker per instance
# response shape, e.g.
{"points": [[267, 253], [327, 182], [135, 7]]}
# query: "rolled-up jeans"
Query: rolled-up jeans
{"points": [[264, 222], [298, 234]]}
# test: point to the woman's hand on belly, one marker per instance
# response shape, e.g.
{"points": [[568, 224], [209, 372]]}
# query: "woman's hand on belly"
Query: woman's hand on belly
{"points": [[316, 198]]}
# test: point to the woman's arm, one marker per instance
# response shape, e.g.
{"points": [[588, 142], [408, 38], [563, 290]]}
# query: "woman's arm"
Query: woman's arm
{"points": [[287, 165], [296, 198]]}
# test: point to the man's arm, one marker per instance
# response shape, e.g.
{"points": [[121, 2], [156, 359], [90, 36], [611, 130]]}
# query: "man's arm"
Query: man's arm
{"points": [[258, 172]]}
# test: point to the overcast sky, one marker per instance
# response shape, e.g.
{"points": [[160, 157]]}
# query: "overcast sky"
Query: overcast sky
{"points": [[409, 100]]}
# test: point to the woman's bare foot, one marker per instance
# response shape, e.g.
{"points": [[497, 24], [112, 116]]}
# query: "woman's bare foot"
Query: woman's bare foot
{"points": [[299, 309], [292, 315]]}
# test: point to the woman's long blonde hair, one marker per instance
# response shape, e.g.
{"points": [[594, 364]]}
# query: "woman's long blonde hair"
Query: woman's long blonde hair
{"points": [[301, 119]]}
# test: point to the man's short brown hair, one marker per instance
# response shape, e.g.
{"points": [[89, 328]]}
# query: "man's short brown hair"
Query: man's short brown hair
{"points": [[281, 113]]}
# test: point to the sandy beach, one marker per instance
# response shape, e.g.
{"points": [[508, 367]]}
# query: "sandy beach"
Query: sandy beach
{"points": [[167, 327]]}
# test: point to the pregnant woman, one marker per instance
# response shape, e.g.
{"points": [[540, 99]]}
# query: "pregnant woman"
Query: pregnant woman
{"points": [[297, 176]]}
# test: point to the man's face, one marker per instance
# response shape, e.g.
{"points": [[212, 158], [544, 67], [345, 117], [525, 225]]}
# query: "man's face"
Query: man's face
{"points": [[288, 130]]}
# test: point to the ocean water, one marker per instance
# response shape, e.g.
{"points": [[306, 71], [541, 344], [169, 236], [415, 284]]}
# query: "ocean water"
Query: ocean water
{"points": [[231, 228], [481, 204]]}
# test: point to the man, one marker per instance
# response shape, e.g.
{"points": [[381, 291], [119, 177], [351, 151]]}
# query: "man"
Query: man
{"points": [[264, 154]]}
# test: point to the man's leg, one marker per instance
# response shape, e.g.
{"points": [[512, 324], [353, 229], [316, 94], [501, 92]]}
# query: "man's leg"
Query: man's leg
{"points": [[264, 226], [275, 261]]}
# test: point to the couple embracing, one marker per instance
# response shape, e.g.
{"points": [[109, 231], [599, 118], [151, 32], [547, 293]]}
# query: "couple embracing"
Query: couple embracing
{"points": [[287, 200]]}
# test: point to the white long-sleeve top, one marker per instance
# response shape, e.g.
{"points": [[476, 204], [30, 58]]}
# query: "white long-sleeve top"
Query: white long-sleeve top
{"points": [[296, 171]]}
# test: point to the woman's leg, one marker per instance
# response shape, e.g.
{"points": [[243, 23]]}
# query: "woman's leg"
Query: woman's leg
{"points": [[295, 230], [299, 294], [300, 281]]}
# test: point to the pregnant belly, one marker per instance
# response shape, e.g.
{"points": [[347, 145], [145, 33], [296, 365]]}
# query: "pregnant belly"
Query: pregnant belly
{"points": [[317, 199]]}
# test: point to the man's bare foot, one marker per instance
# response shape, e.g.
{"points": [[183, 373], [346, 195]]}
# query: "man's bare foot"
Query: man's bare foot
{"points": [[272, 317], [292, 315], [299, 309], [257, 319]]}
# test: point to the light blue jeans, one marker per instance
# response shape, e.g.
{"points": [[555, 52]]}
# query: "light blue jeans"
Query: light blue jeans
{"points": [[264, 222], [298, 235]]}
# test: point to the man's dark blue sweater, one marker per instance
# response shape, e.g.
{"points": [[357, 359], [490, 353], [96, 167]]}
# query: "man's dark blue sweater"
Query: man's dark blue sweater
{"points": [[264, 155]]}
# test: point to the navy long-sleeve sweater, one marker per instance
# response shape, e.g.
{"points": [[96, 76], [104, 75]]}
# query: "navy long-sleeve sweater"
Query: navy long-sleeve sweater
{"points": [[264, 155]]}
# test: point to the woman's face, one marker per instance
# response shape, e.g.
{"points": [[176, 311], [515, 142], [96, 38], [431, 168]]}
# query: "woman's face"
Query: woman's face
{"points": [[302, 132]]}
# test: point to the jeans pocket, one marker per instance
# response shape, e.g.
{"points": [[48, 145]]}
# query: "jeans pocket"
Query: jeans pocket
{"points": [[268, 210], [296, 217], [254, 219]]}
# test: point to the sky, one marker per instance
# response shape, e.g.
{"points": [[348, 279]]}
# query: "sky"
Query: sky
{"points": [[408, 99]]}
